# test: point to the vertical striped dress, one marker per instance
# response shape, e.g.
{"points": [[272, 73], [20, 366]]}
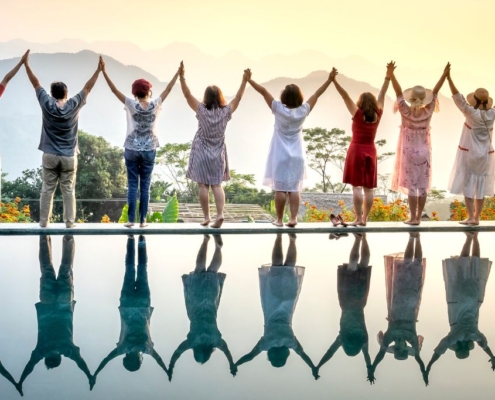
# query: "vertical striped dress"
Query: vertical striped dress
{"points": [[208, 162]]}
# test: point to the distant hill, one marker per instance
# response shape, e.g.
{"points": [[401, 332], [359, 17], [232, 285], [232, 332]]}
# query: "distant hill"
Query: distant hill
{"points": [[248, 134]]}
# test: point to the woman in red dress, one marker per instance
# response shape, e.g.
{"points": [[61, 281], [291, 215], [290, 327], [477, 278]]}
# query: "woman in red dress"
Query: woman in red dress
{"points": [[360, 169]]}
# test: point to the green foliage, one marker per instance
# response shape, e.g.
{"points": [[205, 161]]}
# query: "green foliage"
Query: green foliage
{"points": [[159, 190], [27, 186], [171, 211], [155, 217], [125, 211], [435, 195], [240, 190]]}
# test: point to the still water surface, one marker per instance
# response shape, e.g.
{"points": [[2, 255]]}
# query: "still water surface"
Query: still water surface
{"points": [[247, 317]]}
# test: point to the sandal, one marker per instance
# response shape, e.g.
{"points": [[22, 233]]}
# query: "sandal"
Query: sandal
{"points": [[342, 222], [335, 220]]}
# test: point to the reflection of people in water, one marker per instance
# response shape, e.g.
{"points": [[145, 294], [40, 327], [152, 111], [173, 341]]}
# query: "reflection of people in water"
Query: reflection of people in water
{"points": [[202, 292], [6, 375], [135, 312], [465, 279], [280, 285], [55, 311], [404, 275], [353, 284]]}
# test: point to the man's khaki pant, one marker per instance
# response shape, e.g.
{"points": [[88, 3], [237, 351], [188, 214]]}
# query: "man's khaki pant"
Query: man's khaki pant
{"points": [[55, 169]]}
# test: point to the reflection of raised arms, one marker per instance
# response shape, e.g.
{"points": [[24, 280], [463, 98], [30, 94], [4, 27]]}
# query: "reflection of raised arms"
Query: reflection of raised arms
{"points": [[184, 346], [6, 375], [191, 100], [330, 352], [251, 355], [113, 354], [237, 99], [35, 359], [383, 90], [261, 90], [314, 98], [441, 81], [6, 79], [351, 106], [75, 355], [159, 360], [300, 352], [225, 349]]}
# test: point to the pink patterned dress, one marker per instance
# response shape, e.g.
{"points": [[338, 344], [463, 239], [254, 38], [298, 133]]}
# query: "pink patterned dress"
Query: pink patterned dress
{"points": [[412, 172]]}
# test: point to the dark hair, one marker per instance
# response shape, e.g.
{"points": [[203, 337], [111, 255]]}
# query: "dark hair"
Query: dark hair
{"points": [[53, 361], [213, 98], [463, 348], [202, 353], [132, 361], [58, 90], [292, 96], [367, 102], [353, 342], [278, 356]]}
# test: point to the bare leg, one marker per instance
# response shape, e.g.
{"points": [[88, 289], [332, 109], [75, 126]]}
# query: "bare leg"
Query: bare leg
{"points": [[476, 245], [216, 261], [478, 209], [466, 249], [418, 249], [421, 207], [470, 210], [277, 252], [357, 199], [294, 202], [409, 253], [291, 257], [201, 257], [354, 254], [204, 201], [280, 200], [413, 210], [219, 196], [365, 253], [368, 203]]}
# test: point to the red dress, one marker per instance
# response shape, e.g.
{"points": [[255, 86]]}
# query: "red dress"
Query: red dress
{"points": [[360, 167]]}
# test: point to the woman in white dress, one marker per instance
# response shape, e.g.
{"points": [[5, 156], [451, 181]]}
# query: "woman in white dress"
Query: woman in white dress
{"points": [[286, 165], [474, 168], [280, 285], [465, 279], [404, 278]]}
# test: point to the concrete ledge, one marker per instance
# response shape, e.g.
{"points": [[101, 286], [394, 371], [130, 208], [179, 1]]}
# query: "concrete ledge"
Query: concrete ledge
{"points": [[235, 228]]}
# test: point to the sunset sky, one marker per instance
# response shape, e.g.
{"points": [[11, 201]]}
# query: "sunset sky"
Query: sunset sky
{"points": [[419, 33]]}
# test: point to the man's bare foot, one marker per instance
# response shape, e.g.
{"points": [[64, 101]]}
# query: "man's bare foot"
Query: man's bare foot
{"points": [[218, 222], [206, 222], [469, 222], [129, 224], [278, 223], [411, 222]]}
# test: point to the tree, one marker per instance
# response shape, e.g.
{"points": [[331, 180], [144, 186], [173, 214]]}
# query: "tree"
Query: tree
{"points": [[435, 195], [329, 148], [240, 190]]}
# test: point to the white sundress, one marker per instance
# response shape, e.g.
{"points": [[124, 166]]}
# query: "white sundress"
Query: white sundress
{"points": [[473, 173], [286, 163]]}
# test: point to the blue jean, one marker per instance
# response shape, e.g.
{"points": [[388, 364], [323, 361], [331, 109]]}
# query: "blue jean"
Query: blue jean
{"points": [[139, 166]]}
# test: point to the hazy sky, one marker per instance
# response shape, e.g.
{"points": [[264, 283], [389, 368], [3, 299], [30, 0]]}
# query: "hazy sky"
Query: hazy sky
{"points": [[420, 33]]}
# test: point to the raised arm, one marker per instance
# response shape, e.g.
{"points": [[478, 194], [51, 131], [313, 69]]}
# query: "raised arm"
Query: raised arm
{"points": [[261, 90], [441, 81], [225, 349], [251, 355], [330, 352], [177, 353], [453, 89], [111, 85], [369, 366], [386, 82], [395, 84], [351, 106], [32, 77], [6, 79], [193, 102], [301, 353], [314, 98], [89, 84], [237, 99], [169, 87]]}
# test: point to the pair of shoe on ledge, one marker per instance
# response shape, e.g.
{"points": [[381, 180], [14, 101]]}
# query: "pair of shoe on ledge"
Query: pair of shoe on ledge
{"points": [[68, 225]]}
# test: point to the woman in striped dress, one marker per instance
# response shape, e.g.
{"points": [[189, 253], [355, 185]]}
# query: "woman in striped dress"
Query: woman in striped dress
{"points": [[208, 162]]}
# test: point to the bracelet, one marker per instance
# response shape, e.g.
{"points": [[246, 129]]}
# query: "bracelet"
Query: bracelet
{"points": [[387, 79], [182, 78]]}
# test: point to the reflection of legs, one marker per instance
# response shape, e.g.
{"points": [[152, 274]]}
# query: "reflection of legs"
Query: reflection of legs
{"points": [[291, 257], [476, 245], [368, 203], [466, 249], [277, 252], [68, 189], [357, 199], [204, 201], [418, 249], [294, 202], [354, 254], [365, 253], [142, 286], [65, 273], [201, 257], [130, 273], [409, 253], [219, 196], [216, 261], [48, 279], [280, 200]]}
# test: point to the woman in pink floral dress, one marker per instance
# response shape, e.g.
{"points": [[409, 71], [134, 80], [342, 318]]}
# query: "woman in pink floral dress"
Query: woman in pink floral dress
{"points": [[412, 172]]}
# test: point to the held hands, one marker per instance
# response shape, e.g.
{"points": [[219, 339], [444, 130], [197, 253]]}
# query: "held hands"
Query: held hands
{"points": [[446, 71], [233, 369], [182, 69], [247, 75], [371, 374], [390, 69], [333, 74], [92, 382], [316, 372], [18, 387], [25, 58], [101, 65]]}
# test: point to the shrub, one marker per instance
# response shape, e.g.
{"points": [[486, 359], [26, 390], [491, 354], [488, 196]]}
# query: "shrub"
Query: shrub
{"points": [[10, 212], [458, 211]]}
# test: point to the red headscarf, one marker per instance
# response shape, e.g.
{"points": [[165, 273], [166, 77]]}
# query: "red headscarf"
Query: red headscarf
{"points": [[141, 86]]}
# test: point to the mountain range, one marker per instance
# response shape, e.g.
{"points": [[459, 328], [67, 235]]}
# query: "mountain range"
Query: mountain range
{"points": [[248, 133]]}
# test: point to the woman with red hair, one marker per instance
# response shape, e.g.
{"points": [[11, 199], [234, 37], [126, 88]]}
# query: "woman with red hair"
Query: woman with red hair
{"points": [[141, 141]]}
